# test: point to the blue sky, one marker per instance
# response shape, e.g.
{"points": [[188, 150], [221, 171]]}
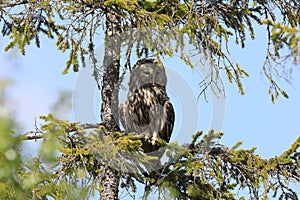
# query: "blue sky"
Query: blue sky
{"points": [[251, 118]]}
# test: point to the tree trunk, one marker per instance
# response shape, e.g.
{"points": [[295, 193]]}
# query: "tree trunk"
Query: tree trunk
{"points": [[110, 93]]}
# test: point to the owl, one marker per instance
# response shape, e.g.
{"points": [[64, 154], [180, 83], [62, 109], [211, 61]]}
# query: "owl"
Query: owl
{"points": [[147, 109]]}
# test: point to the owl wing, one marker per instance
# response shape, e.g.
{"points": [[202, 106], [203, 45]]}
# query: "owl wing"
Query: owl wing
{"points": [[125, 119], [167, 129]]}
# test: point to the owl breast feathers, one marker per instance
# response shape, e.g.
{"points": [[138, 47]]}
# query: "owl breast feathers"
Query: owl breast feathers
{"points": [[147, 109]]}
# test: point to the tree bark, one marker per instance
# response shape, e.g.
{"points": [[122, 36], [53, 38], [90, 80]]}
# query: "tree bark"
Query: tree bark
{"points": [[110, 93]]}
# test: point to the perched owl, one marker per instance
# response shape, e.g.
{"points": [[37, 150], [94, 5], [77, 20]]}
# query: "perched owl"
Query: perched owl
{"points": [[147, 109]]}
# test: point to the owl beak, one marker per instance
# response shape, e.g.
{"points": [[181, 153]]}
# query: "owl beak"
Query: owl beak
{"points": [[153, 80]]}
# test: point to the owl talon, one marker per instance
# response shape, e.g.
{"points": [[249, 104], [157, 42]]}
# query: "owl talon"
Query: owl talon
{"points": [[146, 136], [154, 141]]}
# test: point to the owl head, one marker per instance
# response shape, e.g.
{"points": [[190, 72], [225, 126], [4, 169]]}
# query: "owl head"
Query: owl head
{"points": [[147, 71]]}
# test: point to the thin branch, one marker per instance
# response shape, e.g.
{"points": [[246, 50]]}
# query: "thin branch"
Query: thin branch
{"points": [[38, 134]]}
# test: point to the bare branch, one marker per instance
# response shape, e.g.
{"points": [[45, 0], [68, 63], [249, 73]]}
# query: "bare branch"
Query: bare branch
{"points": [[38, 134]]}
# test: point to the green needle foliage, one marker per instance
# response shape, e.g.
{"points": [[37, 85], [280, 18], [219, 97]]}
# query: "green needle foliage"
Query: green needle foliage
{"points": [[72, 162], [209, 26], [73, 158]]}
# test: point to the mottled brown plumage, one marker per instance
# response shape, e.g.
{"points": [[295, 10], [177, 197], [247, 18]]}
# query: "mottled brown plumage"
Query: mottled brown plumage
{"points": [[147, 109]]}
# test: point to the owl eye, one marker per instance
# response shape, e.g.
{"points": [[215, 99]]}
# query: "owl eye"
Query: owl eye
{"points": [[146, 73]]}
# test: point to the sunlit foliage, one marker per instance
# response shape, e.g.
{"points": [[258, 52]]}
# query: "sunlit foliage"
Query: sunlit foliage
{"points": [[209, 26]]}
